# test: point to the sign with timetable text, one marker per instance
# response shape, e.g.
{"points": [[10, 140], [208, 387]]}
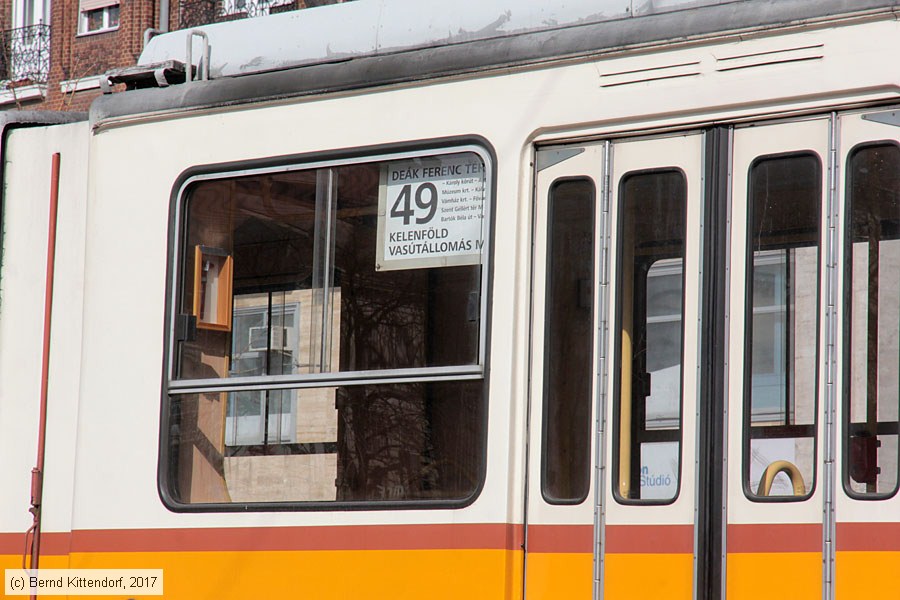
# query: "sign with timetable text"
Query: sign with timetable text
{"points": [[431, 212]]}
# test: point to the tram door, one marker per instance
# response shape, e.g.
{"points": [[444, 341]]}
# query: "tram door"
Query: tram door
{"points": [[867, 477], [656, 207], [564, 372], [616, 288], [775, 374]]}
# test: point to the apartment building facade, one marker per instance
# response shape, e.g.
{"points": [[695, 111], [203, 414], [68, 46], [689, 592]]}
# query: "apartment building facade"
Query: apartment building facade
{"points": [[54, 52]]}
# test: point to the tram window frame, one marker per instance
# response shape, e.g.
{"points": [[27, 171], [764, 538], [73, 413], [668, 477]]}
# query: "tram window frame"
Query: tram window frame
{"points": [[467, 377], [619, 319], [550, 459], [846, 403], [746, 405]]}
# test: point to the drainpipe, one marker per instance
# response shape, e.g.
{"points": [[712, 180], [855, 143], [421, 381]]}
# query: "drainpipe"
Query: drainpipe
{"points": [[37, 473], [163, 26], [163, 16]]}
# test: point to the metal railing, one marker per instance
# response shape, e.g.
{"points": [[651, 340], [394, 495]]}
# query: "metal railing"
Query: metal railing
{"points": [[195, 13], [25, 55]]}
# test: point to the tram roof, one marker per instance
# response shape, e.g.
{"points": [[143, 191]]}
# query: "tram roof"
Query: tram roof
{"points": [[367, 28], [366, 43]]}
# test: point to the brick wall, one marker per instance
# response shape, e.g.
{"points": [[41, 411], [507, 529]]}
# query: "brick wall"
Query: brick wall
{"points": [[77, 58]]}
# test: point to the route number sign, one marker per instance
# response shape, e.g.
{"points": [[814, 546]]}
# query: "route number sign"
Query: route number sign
{"points": [[431, 212]]}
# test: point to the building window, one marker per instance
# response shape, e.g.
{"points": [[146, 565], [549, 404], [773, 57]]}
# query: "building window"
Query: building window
{"points": [[98, 15], [328, 334], [27, 13]]}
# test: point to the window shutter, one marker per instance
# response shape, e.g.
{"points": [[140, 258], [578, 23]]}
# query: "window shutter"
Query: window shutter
{"points": [[87, 5]]}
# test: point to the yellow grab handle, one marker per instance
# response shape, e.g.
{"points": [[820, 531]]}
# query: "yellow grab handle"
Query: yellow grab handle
{"points": [[781, 466]]}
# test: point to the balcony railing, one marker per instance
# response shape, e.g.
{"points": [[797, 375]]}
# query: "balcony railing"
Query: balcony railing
{"points": [[25, 54], [195, 13]]}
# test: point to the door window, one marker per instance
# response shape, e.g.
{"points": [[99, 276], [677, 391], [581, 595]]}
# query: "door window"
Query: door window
{"points": [[782, 343], [648, 399]]}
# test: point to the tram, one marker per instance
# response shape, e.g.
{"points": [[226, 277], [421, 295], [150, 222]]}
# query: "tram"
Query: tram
{"points": [[480, 299]]}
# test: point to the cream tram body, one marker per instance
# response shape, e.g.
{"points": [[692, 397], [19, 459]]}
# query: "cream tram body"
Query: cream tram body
{"points": [[582, 126]]}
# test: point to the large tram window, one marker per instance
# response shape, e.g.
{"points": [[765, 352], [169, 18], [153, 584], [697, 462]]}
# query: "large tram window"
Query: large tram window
{"points": [[309, 334], [568, 342], [872, 322], [781, 355], [651, 315]]}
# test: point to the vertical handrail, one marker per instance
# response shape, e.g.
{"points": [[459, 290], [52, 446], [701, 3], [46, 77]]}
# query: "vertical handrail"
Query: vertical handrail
{"points": [[37, 474], [626, 379], [832, 248], [603, 360], [203, 63]]}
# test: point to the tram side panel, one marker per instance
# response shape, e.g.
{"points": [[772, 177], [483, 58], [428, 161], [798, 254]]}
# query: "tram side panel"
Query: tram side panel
{"points": [[26, 214], [203, 524]]}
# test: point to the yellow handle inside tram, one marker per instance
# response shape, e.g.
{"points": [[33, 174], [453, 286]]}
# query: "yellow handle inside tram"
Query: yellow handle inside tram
{"points": [[625, 391], [781, 466]]}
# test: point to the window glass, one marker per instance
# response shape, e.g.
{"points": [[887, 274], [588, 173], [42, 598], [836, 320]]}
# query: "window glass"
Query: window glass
{"points": [[782, 325], [314, 310], [568, 355], [99, 19], [365, 443], [112, 16], [405, 317], [308, 289], [651, 314], [95, 19], [872, 334]]}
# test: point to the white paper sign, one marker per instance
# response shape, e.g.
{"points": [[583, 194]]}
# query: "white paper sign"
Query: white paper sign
{"points": [[659, 470], [431, 212]]}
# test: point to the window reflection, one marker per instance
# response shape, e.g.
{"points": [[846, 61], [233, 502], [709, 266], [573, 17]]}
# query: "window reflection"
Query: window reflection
{"points": [[872, 295], [651, 313], [295, 251], [371, 443], [782, 323], [664, 297], [281, 276], [568, 346]]}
